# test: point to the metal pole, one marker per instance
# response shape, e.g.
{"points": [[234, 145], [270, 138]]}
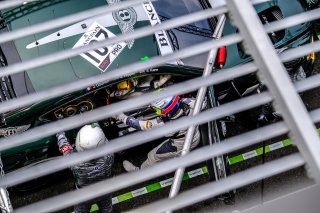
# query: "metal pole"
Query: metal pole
{"points": [[199, 100]]}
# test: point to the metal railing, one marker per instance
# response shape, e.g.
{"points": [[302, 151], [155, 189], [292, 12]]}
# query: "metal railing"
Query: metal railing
{"points": [[268, 65]]}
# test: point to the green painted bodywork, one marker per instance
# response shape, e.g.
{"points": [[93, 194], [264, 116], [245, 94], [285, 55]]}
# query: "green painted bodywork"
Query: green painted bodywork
{"points": [[76, 68], [294, 36]]}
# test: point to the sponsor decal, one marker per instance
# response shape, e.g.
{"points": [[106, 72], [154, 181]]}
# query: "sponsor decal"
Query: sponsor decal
{"points": [[73, 109], [251, 154], [13, 130], [115, 200], [151, 70], [100, 84], [166, 182], [195, 173], [103, 57], [161, 36], [125, 18], [276, 146], [139, 192]]}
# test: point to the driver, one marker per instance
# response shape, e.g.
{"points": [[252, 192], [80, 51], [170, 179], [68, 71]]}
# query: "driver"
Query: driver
{"points": [[89, 136], [133, 86], [169, 108]]}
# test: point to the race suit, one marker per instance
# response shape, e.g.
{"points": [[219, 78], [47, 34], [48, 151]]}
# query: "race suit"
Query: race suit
{"points": [[87, 173], [172, 146]]}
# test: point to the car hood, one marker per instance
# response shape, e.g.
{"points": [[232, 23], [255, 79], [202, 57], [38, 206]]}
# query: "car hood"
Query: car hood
{"points": [[79, 34]]}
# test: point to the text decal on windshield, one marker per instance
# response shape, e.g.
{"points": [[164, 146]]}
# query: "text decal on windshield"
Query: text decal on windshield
{"points": [[103, 57], [161, 36]]}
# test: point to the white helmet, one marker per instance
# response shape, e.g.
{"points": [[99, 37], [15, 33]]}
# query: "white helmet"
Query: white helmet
{"points": [[90, 136]]}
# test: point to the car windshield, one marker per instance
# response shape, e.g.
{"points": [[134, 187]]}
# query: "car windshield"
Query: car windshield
{"points": [[187, 35]]}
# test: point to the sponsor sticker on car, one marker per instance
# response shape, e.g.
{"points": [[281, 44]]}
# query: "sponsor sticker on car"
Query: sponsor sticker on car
{"points": [[161, 36], [103, 57]]}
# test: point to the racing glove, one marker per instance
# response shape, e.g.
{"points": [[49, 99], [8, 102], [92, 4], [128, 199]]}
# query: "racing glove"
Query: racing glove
{"points": [[63, 143], [121, 117], [139, 124], [163, 79]]}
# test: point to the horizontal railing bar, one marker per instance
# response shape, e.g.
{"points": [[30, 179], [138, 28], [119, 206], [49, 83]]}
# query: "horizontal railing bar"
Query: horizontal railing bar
{"points": [[13, 3], [121, 143], [161, 168], [315, 115], [300, 51], [48, 25], [70, 19], [235, 181], [308, 83], [292, 20]]}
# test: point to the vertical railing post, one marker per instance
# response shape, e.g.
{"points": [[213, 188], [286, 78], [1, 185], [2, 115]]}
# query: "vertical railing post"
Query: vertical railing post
{"points": [[198, 104]]}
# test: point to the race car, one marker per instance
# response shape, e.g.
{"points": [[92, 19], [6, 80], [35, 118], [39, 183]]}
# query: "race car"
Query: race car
{"points": [[104, 60]]}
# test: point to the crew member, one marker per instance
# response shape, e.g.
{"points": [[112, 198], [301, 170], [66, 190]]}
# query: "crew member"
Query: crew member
{"points": [[89, 136]]}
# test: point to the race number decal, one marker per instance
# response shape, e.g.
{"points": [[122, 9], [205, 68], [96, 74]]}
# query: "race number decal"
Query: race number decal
{"points": [[102, 58]]}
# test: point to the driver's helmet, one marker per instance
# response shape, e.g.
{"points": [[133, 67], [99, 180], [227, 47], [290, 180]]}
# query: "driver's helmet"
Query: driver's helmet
{"points": [[168, 107], [90, 136], [125, 85]]}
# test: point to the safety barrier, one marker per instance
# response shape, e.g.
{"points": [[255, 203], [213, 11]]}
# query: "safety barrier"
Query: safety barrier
{"points": [[297, 122]]}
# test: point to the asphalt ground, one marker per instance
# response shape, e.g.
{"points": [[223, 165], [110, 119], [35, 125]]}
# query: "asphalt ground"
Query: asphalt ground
{"points": [[246, 197]]}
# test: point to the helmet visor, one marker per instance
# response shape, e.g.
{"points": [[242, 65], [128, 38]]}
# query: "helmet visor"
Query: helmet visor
{"points": [[125, 85]]}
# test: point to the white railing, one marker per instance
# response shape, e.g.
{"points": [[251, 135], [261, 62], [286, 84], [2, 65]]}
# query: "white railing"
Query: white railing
{"points": [[297, 122]]}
